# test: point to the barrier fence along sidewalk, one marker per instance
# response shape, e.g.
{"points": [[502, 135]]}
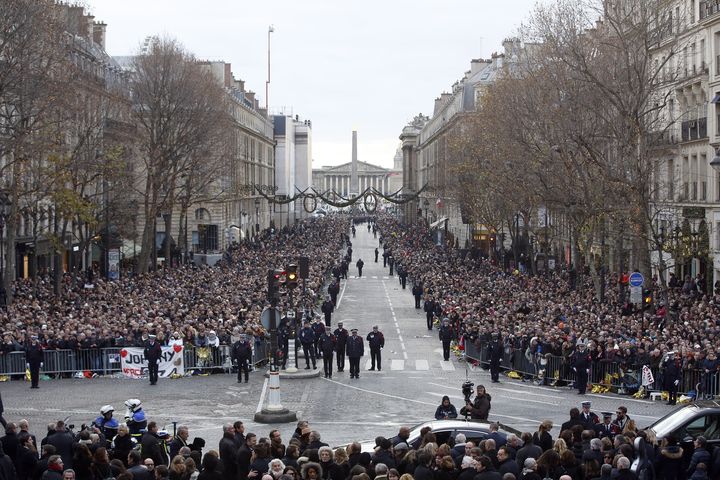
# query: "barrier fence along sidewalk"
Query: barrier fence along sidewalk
{"points": [[106, 361], [556, 370]]}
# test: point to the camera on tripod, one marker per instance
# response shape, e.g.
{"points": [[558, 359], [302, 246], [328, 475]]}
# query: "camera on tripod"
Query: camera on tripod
{"points": [[467, 390]]}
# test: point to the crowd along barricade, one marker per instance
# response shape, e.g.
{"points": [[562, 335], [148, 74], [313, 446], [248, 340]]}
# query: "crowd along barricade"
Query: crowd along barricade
{"points": [[557, 370], [107, 361]]}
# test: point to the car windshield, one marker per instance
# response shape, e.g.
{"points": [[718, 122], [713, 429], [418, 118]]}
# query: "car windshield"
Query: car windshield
{"points": [[671, 421]]}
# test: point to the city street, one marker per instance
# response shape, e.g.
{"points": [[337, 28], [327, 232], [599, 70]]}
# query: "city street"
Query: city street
{"points": [[413, 379]]}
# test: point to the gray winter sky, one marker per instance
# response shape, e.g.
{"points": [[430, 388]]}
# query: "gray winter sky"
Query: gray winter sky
{"points": [[369, 65]]}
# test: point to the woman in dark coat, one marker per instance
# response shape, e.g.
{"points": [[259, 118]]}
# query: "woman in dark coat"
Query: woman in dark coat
{"points": [[542, 437], [669, 464]]}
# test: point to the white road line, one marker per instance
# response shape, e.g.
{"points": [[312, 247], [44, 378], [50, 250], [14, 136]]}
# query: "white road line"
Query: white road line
{"points": [[412, 400], [400, 339], [397, 364], [447, 366], [262, 396], [524, 392], [341, 295], [422, 365], [404, 352], [532, 401]]}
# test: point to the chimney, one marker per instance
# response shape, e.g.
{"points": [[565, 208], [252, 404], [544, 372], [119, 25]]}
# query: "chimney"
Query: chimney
{"points": [[74, 20], [476, 65], [251, 97], [240, 85], [89, 30], [228, 76], [99, 29]]}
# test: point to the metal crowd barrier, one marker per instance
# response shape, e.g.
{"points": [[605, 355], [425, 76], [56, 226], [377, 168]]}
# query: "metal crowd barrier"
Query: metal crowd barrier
{"points": [[106, 361], [557, 370]]}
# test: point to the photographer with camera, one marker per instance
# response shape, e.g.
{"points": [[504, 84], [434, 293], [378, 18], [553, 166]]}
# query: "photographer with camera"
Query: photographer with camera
{"points": [[479, 409]]}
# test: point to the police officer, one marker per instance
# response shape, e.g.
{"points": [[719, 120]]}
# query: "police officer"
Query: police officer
{"points": [[318, 328], [671, 377], [446, 335], [377, 252], [429, 308], [495, 351], [241, 353], [327, 345], [376, 341], [360, 264], [588, 417], [333, 290], [417, 292], [328, 307], [307, 340], [284, 332], [391, 263], [581, 367], [341, 336], [34, 360], [106, 424], [402, 273], [152, 354], [355, 350]]}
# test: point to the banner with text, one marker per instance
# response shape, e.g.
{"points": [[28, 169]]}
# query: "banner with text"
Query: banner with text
{"points": [[134, 365]]}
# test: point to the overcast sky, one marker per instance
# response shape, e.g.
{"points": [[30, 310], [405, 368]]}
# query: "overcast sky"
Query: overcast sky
{"points": [[369, 65]]}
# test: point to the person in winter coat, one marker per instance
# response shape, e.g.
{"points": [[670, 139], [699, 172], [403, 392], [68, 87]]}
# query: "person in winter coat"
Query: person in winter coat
{"points": [[241, 354], [355, 350], [328, 344], [311, 471], [479, 409], [669, 465], [210, 468], [700, 455], [445, 410], [327, 308]]}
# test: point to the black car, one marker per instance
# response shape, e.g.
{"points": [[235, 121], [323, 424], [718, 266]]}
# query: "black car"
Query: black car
{"points": [[690, 421]]}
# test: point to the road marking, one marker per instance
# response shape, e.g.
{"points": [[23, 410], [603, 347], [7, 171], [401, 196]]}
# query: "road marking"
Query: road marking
{"points": [[397, 364], [374, 276], [532, 401], [412, 400], [422, 365], [556, 397], [341, 295], [447, 366], [262, 396]]}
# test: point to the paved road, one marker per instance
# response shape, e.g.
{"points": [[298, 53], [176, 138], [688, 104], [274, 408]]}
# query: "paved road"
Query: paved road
{"points": [[407, 390]]}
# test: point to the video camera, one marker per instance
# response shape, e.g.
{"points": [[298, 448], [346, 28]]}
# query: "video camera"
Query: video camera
{"points": [[467, 390]]}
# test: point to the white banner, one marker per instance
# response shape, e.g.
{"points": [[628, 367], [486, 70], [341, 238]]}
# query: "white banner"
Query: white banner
{"points": [[134, 365], [647, 376]]}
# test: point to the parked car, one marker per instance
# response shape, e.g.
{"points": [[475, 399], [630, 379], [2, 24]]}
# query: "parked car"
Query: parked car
{"points": [[444, 430]]}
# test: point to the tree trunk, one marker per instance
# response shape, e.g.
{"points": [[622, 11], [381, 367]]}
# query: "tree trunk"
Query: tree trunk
{"points": [[10, 250], [168, 231]]}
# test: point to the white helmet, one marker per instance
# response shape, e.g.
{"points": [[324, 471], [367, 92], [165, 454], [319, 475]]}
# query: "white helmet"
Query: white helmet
{"points": [[107, 409], [133, 404]]}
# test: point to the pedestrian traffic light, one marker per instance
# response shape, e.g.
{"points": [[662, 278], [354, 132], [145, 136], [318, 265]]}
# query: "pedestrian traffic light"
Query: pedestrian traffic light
{"points": [[647, 298], [275, 279], [291, 275]]}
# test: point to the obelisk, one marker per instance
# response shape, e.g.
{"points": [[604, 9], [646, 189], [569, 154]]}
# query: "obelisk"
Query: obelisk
{"points": [[354, 189]]}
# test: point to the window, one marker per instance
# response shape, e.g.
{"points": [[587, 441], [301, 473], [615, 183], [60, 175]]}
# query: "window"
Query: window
{"points": [[692, 11], [671, 179]]}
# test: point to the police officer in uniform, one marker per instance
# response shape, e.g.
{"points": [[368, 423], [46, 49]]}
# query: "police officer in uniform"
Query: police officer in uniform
{"points": [[446, 336], [318, 328], [588, 417], [391, 263], [376, 341], [417, 292], [495, 350], [355, 350], [241, 354], [328, 307], [360, 264], [283, 334], [152, 354], [327, 345], [307, 340], [671, 377], [34, 360], [334, 290], [581, 367], [341, 336], [429, 308]]}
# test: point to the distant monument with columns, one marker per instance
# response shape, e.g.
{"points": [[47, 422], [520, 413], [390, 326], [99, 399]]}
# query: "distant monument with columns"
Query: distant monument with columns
{"points": [[354, 177]]}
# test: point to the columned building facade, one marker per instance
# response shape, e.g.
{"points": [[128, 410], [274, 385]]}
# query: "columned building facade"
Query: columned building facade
{"points": [[337, 178]]}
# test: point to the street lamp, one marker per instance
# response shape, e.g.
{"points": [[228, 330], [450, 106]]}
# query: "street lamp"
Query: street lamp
{"points": [[715, 162], [257, 216], [427, 205], [4, 205]]}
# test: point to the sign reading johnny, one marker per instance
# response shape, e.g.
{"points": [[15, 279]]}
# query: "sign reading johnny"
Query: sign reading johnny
{"points": [[134, 364]]}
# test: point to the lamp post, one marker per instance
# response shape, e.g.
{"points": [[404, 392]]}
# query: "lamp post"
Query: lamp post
{"points": [[426, 203], [257, 216], [4, 204]]}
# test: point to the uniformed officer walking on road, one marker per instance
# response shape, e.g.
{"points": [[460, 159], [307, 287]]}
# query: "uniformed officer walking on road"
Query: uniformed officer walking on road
{"points": [[152, 353], [495, 350], [328, 307], [307, 340], [355, 350], [377, 252], [341, 336], [447, 335], [327, 345], [241, 354], [360, 264], [376, 341], [318, 328], [581, 367], [429, 308], [34, 360], [417, 292]]}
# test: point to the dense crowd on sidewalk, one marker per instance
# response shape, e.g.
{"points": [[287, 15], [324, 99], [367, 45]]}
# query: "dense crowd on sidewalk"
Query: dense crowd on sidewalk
{"points": [[548, 314], [586, 447], [192, 305]]}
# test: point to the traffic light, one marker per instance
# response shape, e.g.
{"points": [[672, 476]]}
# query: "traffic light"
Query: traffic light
{"points": [[647, 298], [291, 275], [275, 279]]}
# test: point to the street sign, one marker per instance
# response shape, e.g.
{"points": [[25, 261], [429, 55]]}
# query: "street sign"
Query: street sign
{"points": [[265, 318], [636, 279], [636, 294]]}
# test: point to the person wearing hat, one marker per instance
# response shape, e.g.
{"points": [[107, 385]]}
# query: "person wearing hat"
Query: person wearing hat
{"points": [[355, 350], [581, 366], [341, 336], [328, 307], [589, 418], [240, 354], [606, 428], [376, 341], [495, 353], [152, 354], [327, 347], [34, 360], [306, 335], [447, 335], [671, 377]]}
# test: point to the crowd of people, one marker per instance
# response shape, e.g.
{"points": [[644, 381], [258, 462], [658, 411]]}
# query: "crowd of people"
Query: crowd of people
{"points": [[551, 314], [192, 305], [587, 446]]}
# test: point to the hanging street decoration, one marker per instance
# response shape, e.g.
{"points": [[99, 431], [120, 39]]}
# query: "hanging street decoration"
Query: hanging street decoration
{"points": [[369, 198]]}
